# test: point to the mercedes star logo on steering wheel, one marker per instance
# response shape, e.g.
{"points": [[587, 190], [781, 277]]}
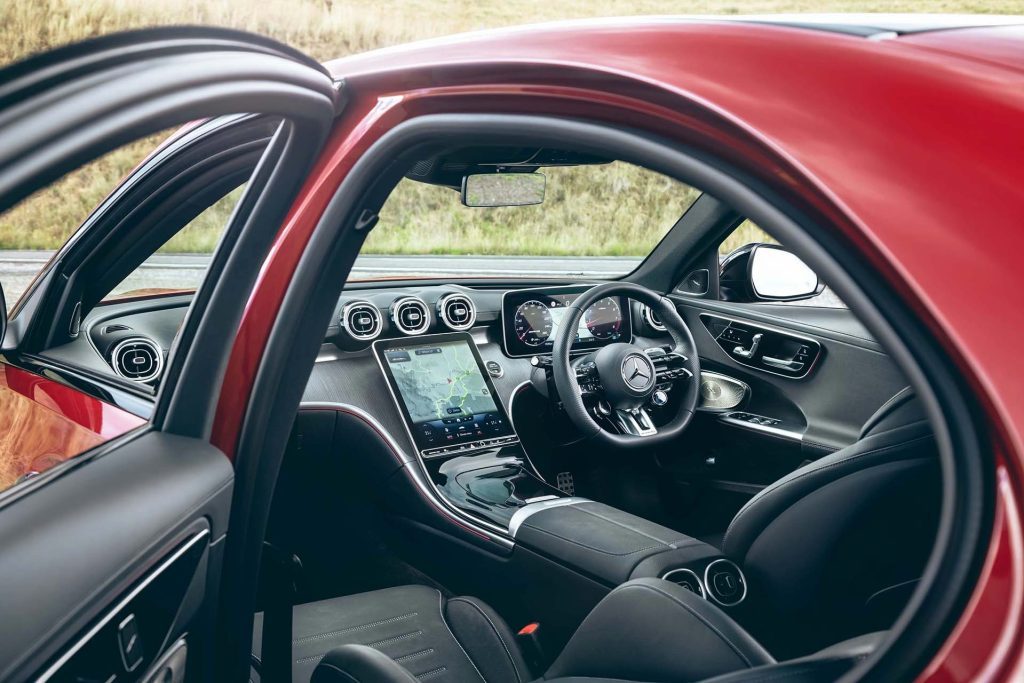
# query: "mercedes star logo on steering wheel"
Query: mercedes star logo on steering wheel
{"points": [[637, 372]]}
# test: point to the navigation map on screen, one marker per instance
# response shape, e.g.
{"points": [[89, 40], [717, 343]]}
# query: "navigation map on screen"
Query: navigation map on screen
{"points": [[439, 381], [444, 392]]}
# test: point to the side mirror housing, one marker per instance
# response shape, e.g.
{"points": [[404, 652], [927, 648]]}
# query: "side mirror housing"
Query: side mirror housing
{"points": [[767, 272]]}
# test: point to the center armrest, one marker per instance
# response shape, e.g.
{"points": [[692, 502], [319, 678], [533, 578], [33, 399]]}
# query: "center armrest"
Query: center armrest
{"points": [[603, 542]]}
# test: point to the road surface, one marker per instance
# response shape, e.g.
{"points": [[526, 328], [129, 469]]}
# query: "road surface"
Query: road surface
{"points": [[17, 268]]}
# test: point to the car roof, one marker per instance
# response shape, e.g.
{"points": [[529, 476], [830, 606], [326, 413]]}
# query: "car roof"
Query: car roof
{"points": [[870, 25]]}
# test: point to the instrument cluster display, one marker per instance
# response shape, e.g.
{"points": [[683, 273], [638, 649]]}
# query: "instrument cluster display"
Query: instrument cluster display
{"points": [[532, 317]]}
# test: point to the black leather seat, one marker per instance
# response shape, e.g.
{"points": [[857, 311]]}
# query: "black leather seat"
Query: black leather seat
{"points": [[645, 630], [846, 535]]}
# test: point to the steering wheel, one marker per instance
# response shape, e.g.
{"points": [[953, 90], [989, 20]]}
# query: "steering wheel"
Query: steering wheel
{"points": [[625, 378]]}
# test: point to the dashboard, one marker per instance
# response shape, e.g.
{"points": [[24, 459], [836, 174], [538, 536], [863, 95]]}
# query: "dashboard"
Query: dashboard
{"points": [[132, 339]]}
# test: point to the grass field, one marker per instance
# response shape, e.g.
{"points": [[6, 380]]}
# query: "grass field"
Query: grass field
{"points": [[334, 28]]}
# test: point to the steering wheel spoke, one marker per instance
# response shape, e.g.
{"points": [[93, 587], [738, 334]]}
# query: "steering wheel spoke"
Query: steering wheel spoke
{"points": [[635, 422]]}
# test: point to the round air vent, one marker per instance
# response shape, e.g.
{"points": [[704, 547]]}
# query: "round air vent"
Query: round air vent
{"points": [[138, 359], [362, 320], [725, 583], [686, 578], [410, 315], [651, 318], [457, 311]]}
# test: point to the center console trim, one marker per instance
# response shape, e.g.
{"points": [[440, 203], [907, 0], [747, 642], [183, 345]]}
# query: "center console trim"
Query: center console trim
{"points": [[419, 474], [523, 513]]}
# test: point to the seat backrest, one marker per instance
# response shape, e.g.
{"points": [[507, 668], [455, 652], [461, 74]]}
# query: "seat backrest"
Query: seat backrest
{"points": [[835, 548]]}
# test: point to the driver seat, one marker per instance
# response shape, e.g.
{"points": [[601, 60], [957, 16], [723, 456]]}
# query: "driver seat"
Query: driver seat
{"points": [[644, 630]]}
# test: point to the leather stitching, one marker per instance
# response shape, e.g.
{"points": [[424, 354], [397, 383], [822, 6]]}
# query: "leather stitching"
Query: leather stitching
{"points": [[770, 490], [432, 673], [504, 646], [440, 610], [699, 617], [320, 636], [395, 639], [414, 655]]}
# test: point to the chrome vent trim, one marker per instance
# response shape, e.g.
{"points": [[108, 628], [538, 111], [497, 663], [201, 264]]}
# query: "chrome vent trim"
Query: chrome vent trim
{"points": [[651, 318], [457, 311], [137, 358], [403, 315], [682, 576], [361, 320]]}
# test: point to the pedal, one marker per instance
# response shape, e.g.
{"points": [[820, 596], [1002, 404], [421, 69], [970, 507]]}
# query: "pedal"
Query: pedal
{"points": [[564, 483]]}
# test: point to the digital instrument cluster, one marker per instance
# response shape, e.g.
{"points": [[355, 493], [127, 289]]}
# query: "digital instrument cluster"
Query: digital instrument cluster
{"points": [[531, 319]]}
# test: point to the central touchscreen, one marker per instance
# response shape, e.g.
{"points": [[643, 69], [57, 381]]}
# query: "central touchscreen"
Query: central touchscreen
{"points": [[445, 396]]}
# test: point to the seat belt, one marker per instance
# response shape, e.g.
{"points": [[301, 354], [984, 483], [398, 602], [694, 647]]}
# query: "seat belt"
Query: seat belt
{"points": [[281, 571]]}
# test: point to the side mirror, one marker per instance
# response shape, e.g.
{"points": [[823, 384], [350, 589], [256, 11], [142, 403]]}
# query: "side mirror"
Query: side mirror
{"points": [[778, 275], [503, 189]]}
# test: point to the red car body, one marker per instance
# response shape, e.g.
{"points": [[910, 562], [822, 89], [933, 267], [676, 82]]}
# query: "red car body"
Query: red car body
{"points": [[910, 146]]}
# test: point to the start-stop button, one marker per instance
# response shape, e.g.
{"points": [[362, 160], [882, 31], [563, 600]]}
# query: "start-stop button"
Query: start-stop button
{"points": [[725, 583]]}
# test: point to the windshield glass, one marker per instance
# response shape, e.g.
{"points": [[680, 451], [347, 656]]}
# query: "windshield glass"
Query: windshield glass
{"points": [[596, 221]]}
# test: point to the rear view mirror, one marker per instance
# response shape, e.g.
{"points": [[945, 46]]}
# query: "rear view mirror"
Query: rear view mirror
{"points": [[503, 189], [778, 275]]}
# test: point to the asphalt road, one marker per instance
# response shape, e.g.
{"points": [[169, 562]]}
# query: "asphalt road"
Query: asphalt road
{"points": [[17, 268]]}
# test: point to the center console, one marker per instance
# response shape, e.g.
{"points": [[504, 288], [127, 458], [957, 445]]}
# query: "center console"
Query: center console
{"points": [[469, 449]]}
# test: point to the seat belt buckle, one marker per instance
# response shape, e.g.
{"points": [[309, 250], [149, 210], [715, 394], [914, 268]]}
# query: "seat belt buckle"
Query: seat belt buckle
{"points": [[528, 638]]}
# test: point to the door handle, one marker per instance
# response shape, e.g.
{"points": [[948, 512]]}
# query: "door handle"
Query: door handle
{"points": [[792, 365], [748, 353]]}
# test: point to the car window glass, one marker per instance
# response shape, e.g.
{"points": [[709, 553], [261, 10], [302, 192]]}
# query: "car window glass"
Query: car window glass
{"points": [[595, 221], [180, 264], [34, 229]]}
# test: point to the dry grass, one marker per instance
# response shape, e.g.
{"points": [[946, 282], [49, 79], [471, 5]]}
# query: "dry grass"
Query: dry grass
{"points": [[333, 28]]}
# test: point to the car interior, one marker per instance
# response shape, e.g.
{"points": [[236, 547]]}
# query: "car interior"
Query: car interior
{"points": [[690, 470]]}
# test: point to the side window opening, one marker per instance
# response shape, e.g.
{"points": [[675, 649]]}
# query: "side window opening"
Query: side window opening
{"points": [[34, 229], [180, 264]]}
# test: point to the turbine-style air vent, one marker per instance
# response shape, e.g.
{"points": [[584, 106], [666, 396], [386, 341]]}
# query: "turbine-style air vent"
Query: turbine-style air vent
{"points": [[362, 320], [688, 579], [651, 318], [410, 315], [457, 311], [138, 359]]}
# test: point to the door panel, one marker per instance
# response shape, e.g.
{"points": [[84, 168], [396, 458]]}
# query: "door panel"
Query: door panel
{"points": [[849, 381], [786, 421], [80, 541]]}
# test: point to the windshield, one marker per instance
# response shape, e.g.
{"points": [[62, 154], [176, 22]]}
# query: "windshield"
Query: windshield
{"points": [[596, 221]]}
